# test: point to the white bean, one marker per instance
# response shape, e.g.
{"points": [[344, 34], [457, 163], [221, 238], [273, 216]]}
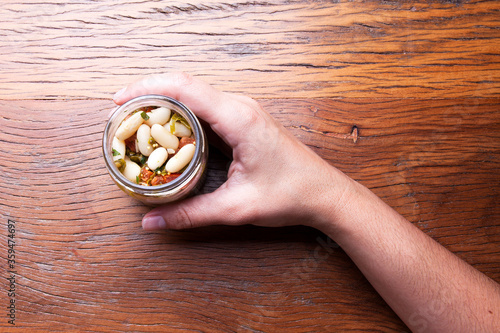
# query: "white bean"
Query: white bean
{"points": [[164, 137], [119, 149], [181, 159], [143, 135], [132, 170], [181, 130], [129, 126], [158, 116], [157, 158]]}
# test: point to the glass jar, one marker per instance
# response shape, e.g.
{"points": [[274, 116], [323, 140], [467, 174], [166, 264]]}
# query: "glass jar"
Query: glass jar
{"points": [[187, 183]]}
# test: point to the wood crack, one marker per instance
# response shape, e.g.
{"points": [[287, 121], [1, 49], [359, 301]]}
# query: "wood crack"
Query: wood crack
{"points": [[354, 135]]}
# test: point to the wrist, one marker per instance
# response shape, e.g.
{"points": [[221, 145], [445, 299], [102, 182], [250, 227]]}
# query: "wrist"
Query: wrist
{"points": [[333, 201]]}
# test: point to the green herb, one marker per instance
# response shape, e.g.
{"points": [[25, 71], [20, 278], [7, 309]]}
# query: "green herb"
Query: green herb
{"points": [[137, 179], [178, 118], [136, 158], [116, 152], [143, 160], [144, 115], [120, 164], [151, 141]]}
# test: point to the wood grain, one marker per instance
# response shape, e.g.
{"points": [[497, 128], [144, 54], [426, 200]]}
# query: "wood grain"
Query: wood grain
{"points": [[86, 264], [280, 49], [401, 96]]}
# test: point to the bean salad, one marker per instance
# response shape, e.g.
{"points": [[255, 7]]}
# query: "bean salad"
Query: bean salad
{"points": [[153, 145]]}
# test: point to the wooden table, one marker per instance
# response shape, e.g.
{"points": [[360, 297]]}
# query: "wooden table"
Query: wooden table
{"points": [[402, 96]]}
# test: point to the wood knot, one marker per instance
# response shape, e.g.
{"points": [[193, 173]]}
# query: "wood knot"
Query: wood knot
{"points": [[354, 133]]}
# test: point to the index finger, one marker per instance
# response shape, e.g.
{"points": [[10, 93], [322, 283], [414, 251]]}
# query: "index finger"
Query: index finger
{"points": [[228, 116]]}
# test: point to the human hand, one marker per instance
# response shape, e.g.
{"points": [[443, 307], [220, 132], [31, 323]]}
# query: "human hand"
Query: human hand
{"points": [[274, 180]]}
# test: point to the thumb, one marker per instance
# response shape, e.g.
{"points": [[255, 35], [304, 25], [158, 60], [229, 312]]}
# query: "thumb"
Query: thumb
{"points": [[219, 207]]}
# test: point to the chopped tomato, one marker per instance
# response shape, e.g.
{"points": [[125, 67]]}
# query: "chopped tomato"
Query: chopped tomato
{"points": [[163, 179], [145, 175], [185, 141], [157, 180], [172, 176], [131, 143]]}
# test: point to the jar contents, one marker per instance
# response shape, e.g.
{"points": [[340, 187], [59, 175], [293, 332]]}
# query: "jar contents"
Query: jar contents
{"points": [[153, 146]]}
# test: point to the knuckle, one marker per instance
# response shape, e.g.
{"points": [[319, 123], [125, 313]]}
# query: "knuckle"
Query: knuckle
{"points": [[152, 81], [183, 219], [251, 102], [182, 79]]}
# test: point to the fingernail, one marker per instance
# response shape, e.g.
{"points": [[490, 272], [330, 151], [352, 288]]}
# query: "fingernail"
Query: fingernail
{"points": [[153, 223], [119, 93]]}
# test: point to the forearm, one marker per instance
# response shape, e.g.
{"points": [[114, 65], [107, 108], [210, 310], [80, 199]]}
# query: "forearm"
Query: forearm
{"points": [[427, 286]]}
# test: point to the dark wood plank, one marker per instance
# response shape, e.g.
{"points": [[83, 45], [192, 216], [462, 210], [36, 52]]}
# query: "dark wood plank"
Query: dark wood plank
{"points": [[85, 263], [279, 49]]}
